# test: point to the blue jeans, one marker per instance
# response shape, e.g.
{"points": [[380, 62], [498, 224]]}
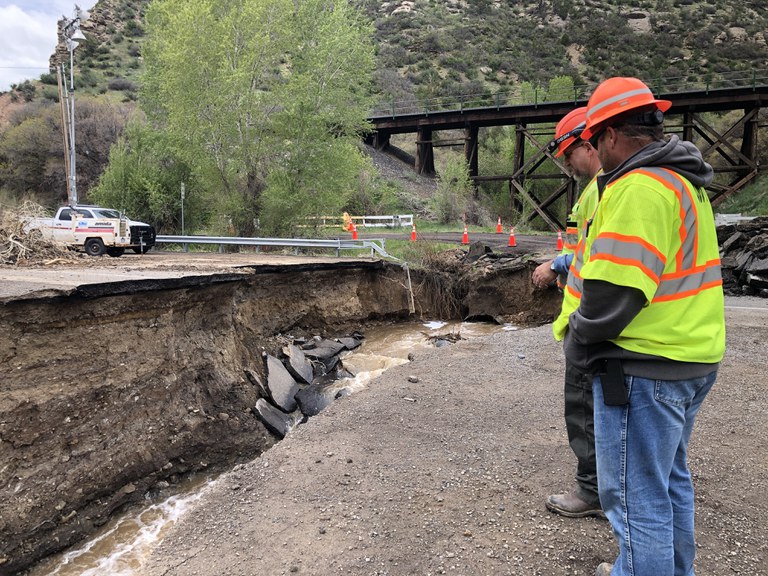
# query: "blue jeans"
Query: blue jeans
{"points": [[642, 470]]}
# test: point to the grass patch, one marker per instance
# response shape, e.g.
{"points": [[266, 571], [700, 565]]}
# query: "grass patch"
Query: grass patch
{"points": [[752, 200]]}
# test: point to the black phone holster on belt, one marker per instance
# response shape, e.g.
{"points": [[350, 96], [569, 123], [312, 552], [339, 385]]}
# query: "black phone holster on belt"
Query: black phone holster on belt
{"points": [[615, 391]]}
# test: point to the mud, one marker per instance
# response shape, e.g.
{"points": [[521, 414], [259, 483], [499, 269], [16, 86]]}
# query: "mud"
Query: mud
{"points": [[110, 390]]}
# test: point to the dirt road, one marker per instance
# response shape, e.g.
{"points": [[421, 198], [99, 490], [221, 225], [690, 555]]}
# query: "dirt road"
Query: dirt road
{"points": [[441, 467]]}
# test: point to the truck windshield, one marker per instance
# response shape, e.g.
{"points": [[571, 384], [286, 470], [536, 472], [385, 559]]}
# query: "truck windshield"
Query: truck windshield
{"points": [[106, 213]]}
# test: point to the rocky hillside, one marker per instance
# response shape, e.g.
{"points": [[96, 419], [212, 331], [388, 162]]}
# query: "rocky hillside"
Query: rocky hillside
{"points": [[427, 48]]}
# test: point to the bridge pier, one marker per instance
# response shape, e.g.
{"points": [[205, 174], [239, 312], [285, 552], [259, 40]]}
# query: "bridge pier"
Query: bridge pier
{"points": [[470, 149], [425, 153]]}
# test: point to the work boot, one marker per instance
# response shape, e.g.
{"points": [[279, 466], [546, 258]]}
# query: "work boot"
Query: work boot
{"points": [[604, 569], [572, 506]]}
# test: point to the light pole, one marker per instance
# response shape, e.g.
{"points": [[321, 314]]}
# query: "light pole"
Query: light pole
{"points": [[72, 35]]}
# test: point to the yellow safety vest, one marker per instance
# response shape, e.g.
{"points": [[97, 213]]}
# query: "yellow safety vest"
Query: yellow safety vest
{"points": [[581, 211], [654, 231]]}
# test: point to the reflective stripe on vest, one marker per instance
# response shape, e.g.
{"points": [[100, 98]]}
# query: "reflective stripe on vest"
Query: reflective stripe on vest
{"points": [[571, 236], [687, 279]]}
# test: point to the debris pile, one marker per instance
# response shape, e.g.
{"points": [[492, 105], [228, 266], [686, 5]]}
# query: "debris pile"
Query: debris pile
{"points": [[302, 382], [744, 257], [19, 246]]}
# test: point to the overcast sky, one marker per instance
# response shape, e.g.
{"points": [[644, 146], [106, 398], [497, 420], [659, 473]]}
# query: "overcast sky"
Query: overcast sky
{"points": [[28, 36]]}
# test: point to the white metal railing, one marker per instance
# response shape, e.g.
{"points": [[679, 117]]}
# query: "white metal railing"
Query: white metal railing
{"points": [[391, 221], [374, 245], [725, 219]]}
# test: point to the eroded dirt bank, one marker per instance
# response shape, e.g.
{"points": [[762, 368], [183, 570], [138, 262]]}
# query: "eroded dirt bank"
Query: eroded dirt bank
{"points": [[110, 390], [442, 466]]}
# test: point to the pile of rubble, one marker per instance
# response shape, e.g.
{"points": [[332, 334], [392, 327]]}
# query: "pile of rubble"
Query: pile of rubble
{"points": [[19, 246], [303, 381], [744, 257]]}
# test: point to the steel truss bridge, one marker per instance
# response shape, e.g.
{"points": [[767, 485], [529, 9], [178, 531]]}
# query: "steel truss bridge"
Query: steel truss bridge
{"points": [[731, 149]]}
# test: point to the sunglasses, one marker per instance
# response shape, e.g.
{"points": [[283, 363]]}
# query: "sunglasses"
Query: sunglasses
{"points": [[595, 138], [572, 148]]}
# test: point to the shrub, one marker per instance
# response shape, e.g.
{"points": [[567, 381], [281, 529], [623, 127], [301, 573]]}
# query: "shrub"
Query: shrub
{"points": [[49, 78], [121, 84]]}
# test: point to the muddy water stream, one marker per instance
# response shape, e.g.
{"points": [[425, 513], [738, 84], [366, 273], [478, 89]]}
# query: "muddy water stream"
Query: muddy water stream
{"points": [[119, 548]]}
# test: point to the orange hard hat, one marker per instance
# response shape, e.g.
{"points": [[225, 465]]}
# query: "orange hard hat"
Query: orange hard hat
{"points": [[568, 130], [616, 96]]}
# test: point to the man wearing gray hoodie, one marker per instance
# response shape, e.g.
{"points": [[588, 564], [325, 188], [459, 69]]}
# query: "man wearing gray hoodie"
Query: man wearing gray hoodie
{"points": [[647, 323]]}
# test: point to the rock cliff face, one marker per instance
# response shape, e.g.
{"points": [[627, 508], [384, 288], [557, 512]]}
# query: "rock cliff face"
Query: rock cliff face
{"points": [[110, 393], [106, 20]]}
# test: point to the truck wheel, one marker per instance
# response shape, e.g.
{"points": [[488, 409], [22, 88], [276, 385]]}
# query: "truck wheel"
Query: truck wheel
{"points": [[94, 247], [143, 250], [115, 252]]}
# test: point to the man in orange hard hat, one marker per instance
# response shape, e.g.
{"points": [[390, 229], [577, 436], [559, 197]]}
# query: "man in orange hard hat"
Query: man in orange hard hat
{"points": [[647, 322], [581, 158]]}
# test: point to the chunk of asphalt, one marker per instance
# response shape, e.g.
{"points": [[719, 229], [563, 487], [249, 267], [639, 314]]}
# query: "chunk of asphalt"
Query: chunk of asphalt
{"points": [[276, 421], [254, 379], [326, 351], [298, 365], [282, 386], [314, 399], [349, 342]]}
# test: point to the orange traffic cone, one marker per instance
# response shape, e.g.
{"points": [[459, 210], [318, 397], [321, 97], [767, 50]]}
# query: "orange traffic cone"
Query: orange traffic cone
{"points": [[465, 237], [498, 226], [413, 232], [559, 240], [354, 230], [512, 241]]}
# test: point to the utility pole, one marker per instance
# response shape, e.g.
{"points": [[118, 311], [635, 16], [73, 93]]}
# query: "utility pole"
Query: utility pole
{"points": [[70, 30]]}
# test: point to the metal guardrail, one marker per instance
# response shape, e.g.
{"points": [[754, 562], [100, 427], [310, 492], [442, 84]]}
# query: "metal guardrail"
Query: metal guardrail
{"points": [[375, 245]]}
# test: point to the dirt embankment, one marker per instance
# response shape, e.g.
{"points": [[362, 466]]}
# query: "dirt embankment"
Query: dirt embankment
{"points": [[442, 466], [111, 390]]}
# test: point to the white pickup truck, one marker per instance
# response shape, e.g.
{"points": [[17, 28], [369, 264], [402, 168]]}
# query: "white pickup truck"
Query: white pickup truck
{"points": [[96, 230]]}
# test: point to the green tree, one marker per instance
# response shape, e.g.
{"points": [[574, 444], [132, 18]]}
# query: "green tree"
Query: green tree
{"points": [[31, 155], [452, 200], [561, 89], [144, 179], [263, 95], [32, 148]]}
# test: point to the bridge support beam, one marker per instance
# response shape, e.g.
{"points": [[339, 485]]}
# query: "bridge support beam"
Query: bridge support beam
{"points": [[380, 140], [470, 149], [722, 153], [425, 153]]}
